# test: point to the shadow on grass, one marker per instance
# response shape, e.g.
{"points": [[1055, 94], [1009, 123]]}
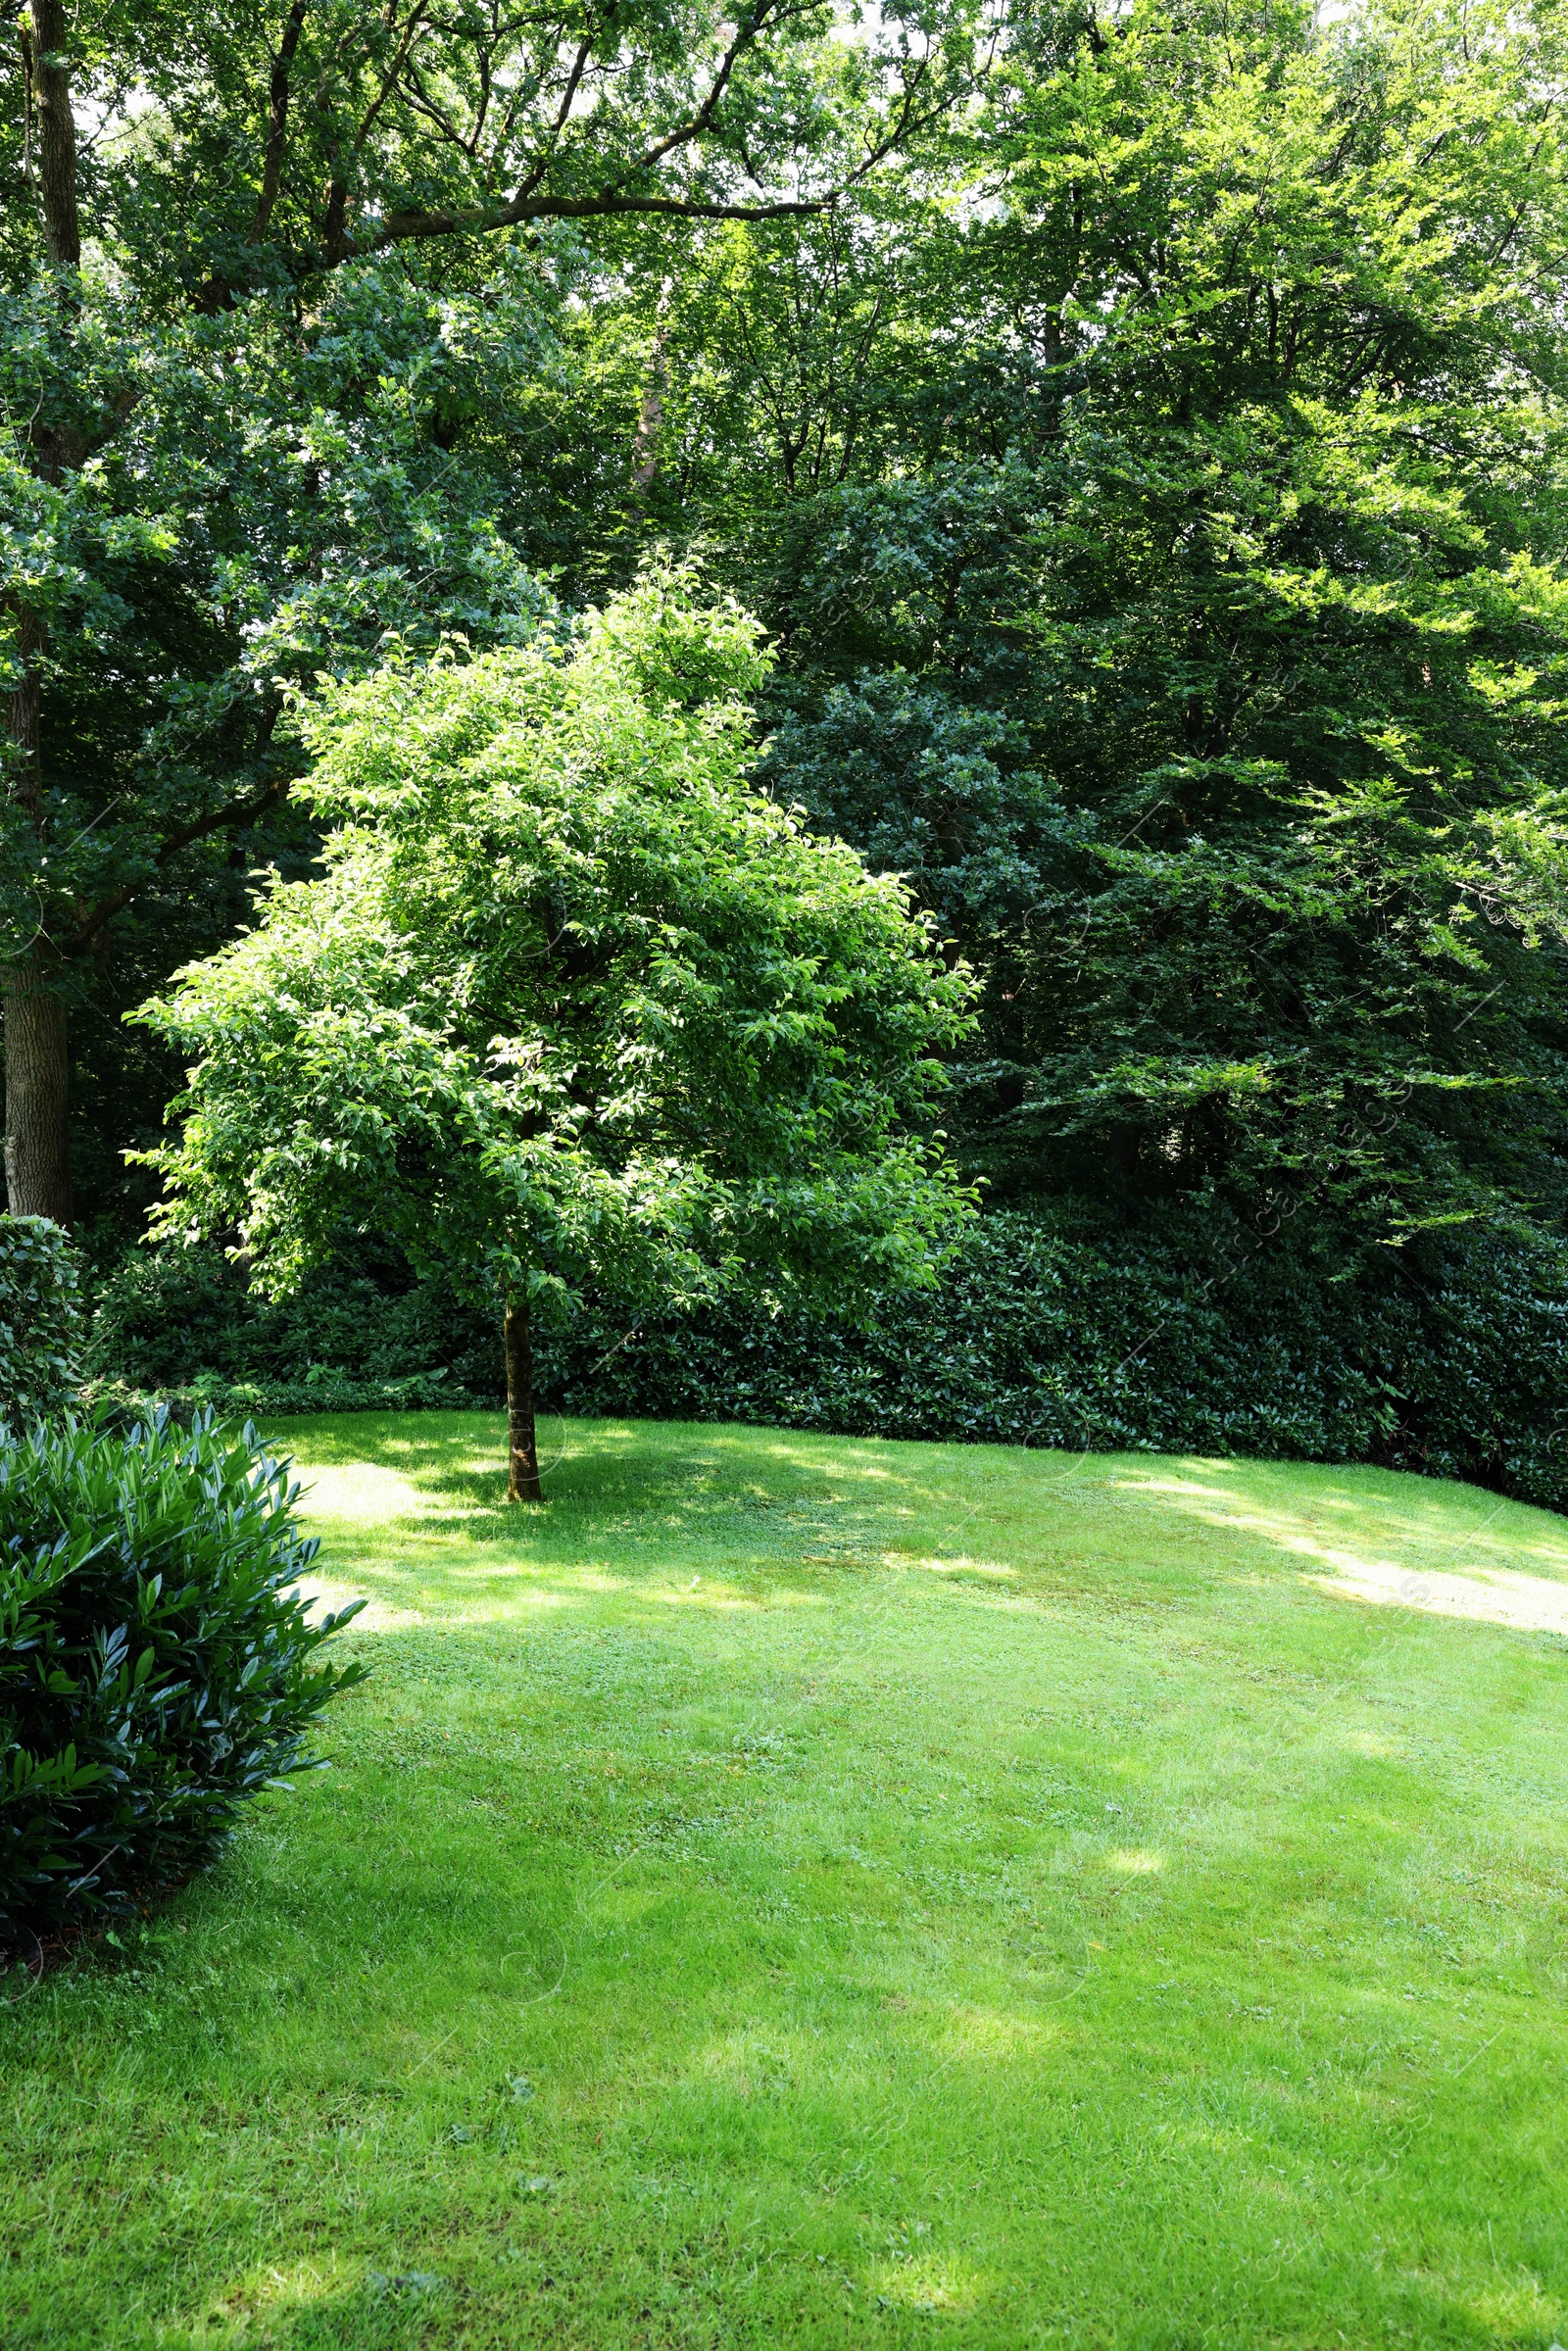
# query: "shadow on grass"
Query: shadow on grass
{"points": [[612, 1475], [1456, 1552], [626, 1499]]}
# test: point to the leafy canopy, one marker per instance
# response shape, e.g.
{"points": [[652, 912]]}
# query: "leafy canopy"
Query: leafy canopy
{"points": [[572, 998], [289, 294], [1189, 617]]}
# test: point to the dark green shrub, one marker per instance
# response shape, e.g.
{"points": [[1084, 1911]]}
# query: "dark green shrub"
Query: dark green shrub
{"points": [[40, 1318], [156, 1668], [1179, 1331], [180, 1322], [1183, 1333]]}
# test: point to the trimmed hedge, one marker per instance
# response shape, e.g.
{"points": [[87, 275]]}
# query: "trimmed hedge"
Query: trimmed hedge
{"points": [[156, 1668], [1182, 1333], [41, 1332], [1179, 1338]]}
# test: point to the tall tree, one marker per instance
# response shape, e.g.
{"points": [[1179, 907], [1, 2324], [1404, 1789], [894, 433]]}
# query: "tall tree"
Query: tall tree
{"points": [[1193, 613]]}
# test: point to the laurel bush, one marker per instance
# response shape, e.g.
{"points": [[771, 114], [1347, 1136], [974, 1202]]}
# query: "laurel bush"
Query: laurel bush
{"points": [[158, 1667]]}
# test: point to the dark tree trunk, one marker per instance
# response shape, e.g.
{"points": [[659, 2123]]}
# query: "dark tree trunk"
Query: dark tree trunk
{"points": [[337, 204], [37, 1144], [38, 1149], [57, 132], [522, 1450], [277, 123], [218, 292]]}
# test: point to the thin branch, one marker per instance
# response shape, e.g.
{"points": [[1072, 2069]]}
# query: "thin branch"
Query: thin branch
{"points": [[573, 79], [1512, 229], [389, 77], [415, 94], [483, 113], [746, 33]]}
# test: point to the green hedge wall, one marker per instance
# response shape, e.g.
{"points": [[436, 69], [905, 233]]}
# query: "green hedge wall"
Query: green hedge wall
{"points": [[1176, 1338], [41, 1331], [1184, 1333]]}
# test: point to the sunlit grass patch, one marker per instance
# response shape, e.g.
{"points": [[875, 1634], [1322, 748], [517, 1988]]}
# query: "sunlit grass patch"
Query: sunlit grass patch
{"points": [[790, 1892]]}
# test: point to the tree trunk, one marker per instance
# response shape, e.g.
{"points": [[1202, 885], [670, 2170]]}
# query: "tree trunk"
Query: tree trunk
{"points": [[651, 420], [37, 1142], [57, 132], [37, 1145], [522, 1450], [277, 123], [37, 1149]]}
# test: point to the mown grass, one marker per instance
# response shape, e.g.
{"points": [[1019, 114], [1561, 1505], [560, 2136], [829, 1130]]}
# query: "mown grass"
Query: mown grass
{"points": [[809, 1892]]}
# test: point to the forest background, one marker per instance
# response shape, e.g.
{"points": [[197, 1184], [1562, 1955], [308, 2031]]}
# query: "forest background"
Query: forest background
{"points": [[1139, 432]]}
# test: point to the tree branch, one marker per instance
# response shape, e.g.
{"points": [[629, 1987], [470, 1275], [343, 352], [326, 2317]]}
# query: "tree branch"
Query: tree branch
{"points": [[216, 293], [65, 448], [410, 34], [401, 227], [235, 818], [276, 122], [746, 33], [564, 109]]}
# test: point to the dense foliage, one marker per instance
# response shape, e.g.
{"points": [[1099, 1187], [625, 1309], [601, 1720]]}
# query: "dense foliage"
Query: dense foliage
{"points": [[1196, 663], [1147, 467], [1181, 1331], [284, 292], [573, 1001], [40, 1318], [1086, 1335], [157, 1668]]}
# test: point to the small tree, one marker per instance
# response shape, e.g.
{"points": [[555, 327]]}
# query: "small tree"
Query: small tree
{"points": [[573, 1001]]}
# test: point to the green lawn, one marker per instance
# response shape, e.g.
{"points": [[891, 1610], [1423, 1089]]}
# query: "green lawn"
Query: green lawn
{"points": [[799, 1891]]}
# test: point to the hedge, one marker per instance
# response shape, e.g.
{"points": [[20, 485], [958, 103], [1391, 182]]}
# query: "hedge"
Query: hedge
{"points": [[41, 1331], [1180, 1333]]}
